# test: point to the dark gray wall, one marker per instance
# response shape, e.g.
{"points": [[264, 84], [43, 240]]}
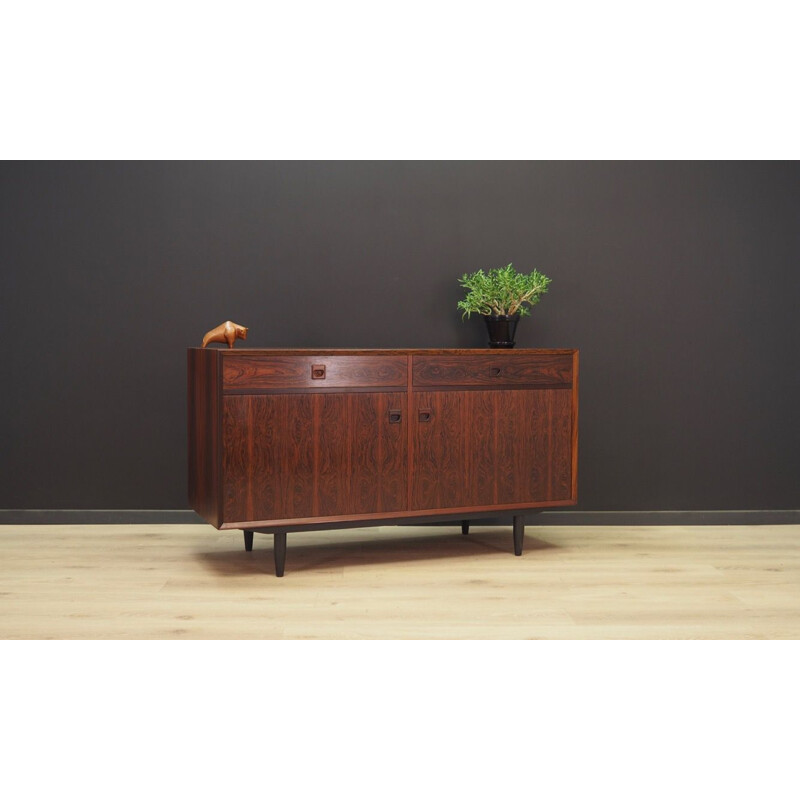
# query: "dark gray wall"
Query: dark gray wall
{"points": [[677, 281]]}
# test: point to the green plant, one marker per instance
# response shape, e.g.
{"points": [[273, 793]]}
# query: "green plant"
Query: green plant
{"points": [[502, 291]]}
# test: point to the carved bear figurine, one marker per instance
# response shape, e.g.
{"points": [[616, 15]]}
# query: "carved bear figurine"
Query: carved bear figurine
{"points": [[227, 332]]}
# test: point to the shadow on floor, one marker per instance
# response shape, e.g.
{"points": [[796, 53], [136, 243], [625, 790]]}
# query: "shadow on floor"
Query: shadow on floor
{"points": [[379, 548]]}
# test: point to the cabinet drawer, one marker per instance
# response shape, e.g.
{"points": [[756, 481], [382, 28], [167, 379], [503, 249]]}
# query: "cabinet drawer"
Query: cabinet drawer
{"points": [[493, 369], [263, 373]]}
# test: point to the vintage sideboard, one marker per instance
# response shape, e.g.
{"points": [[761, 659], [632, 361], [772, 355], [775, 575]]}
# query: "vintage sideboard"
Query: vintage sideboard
{"points": [[289, 440]]}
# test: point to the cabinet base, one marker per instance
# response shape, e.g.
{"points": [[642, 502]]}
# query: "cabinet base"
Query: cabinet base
{"points": [[279, 546]]}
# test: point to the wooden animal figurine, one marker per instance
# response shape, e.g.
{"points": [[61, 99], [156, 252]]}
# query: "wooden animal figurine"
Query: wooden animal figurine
{"points": [[227, 332]]}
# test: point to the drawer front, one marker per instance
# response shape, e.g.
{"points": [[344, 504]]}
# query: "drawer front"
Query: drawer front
{"points": [[493, 369], [248, 372]]}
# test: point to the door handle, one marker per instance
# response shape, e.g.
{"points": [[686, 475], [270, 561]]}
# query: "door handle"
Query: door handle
{"points": [[395, 416], [425, 415]]}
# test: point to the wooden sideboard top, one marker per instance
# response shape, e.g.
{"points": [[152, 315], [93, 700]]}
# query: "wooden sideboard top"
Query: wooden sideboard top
{"points": [[414, 351]]}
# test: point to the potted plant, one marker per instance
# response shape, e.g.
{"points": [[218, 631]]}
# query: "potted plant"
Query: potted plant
{"points": [[502, 296]]}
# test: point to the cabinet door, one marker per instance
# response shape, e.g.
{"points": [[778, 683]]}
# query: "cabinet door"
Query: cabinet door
{"points": [[299, 456], [479, 448], [361, 464]]}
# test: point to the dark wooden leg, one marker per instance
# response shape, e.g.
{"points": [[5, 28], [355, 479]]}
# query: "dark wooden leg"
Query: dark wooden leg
{"points": [[248, 540], [280, 552], [465, 526], [519, 533]]}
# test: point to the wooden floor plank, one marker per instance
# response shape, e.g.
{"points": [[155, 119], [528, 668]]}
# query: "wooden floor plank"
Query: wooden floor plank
{"points": [[600, 582]]}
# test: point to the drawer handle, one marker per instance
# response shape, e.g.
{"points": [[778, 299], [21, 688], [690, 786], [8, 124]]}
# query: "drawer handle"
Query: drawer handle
{"points": [[425, 415], [494, 371], [318, 372], [395, 415]]}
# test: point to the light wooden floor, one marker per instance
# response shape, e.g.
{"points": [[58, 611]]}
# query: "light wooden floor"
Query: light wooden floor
{"points": [[193, 582]]}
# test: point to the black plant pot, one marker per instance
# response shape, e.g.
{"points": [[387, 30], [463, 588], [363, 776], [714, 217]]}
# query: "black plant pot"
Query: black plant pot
{"points": [[501, 329]]}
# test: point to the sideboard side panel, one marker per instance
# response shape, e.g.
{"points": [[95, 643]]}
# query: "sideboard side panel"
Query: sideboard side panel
{"points": [[203, 431], [575, 369]]}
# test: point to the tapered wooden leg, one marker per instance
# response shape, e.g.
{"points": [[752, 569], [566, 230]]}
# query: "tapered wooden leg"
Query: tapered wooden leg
{"points": [[465, 526], [248, 540], [280, 552], [519, 534]]}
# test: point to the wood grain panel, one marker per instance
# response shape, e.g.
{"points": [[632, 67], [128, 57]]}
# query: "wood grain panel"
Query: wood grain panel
{"points": [[560, 444], [203, 434], [481, 447], [261, 455], [522, 446], [533, 445], [392, 454], [298, 456], [334, 452], [302, 454], [575, 381], [362, 463], [236, 455], [246, 371], [364, 442], [267, 457], [510, 368], [485, 448], [297, 463], [440, 450]]}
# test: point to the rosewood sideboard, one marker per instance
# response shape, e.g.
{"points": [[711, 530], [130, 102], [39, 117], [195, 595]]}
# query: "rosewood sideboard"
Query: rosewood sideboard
{"points": [[289, 440]]}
